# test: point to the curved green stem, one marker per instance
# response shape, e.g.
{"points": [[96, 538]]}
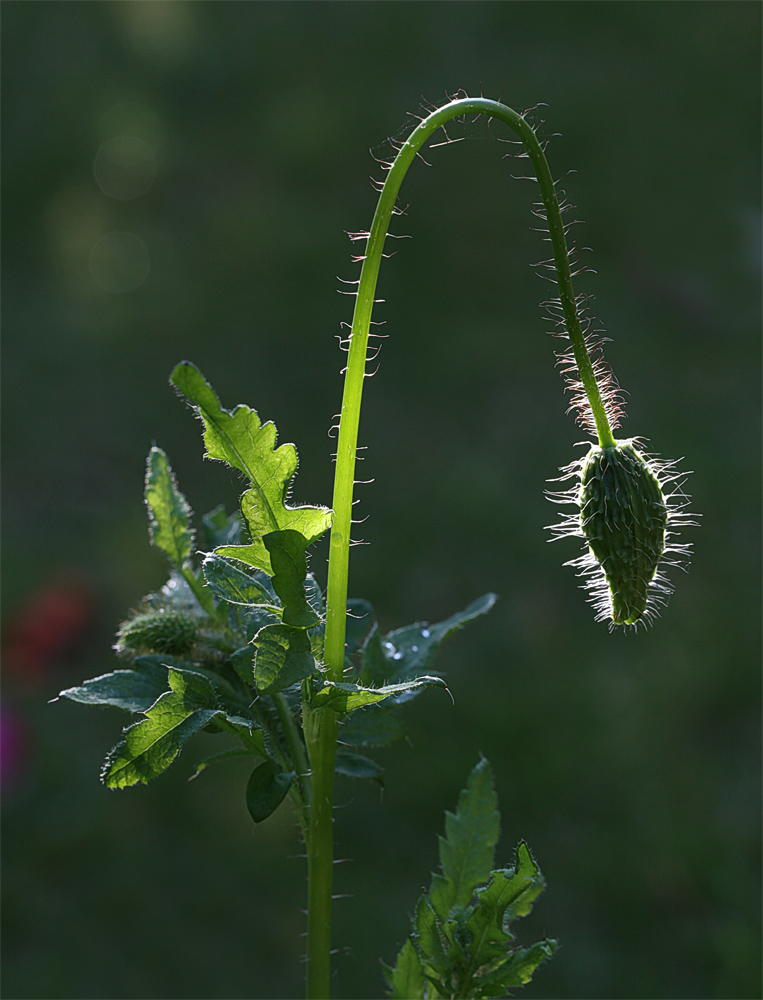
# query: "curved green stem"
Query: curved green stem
{"points": [[321, 757]]}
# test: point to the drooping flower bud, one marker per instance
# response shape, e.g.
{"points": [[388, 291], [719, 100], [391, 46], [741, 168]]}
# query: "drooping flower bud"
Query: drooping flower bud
{"points": [[625, 516]]}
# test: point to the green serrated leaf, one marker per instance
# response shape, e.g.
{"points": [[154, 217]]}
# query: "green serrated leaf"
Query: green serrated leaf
{"points": [[528, 883], [461, 931], [355, 765], [238, 438], [236, 582], [345, 697], [224, 755], [429, 938], [407, 980], [283, 657], [453, 940], [266, 789], [466, 851], [371, 728], [150, 746], [387, 970], [507, 892], [516, 969], [168, 511], [228, 698], [409, 651], [131, 690], [287, 557]]}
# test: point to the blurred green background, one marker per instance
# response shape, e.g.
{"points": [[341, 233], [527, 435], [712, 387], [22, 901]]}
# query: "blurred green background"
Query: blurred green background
{"points": [[178, 179]]}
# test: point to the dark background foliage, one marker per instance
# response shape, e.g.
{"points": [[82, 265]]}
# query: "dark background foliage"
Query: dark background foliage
{"points": [[630, 763]]}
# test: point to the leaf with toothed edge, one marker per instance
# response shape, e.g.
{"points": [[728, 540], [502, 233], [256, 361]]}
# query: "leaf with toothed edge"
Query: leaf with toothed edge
{"points": [[151, 745], [240, 439], [132, 690], [235, 582], [345, 697], [168, 511], [283, 657], [466, 850], [461, 940], [406, 980]]}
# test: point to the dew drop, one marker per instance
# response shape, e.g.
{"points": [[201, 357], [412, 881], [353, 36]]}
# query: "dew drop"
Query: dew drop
{"points": [[398, 655], [415, 649], [388, 646], [425, 633]]}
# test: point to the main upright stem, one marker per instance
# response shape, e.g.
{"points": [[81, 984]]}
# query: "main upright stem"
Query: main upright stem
{"points": [[321, 726]]}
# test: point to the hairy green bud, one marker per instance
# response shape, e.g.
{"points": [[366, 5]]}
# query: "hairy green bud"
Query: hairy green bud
{"points": [[623, 516], [629, 516], [161, 631]]}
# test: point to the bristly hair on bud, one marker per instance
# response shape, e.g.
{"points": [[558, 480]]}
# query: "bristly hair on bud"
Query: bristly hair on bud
{"points": [[629, 507]]}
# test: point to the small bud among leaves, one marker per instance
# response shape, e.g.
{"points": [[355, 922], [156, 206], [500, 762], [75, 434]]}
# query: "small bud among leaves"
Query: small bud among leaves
{"points": [[626, 517], [161, 631]]}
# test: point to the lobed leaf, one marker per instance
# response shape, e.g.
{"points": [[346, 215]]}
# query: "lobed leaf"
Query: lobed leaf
{"points": [[240, 439], [467, 850], [283, 657], [509, 894], [461, 943], [515, 969], [150, 746], [168, 511]]}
